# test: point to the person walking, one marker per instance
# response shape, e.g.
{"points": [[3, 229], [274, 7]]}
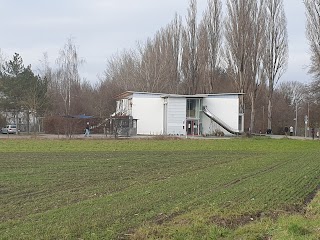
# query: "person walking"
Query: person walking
{"points": [[87, 130], [291, 131], [312, 133]]}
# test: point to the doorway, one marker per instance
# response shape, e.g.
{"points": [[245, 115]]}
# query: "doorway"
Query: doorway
{"points": [[193, 127]]}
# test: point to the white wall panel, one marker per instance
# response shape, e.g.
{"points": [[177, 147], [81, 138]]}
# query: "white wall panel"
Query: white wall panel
{"points": [[226, 108], [176, 115], [148, 109]]}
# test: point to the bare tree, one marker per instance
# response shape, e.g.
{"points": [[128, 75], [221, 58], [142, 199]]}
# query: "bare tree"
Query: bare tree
{"points": [[276, 54], [122, 70], [2, 60], [190, 58], [211, 47], [45, 70], [237, 39], [283, 110], [296, 93], [168, 42], [256, 53], [153, 65], [313, 35], [175, 49], [35, 99], [68, 80], [68, 73], [104, 97], [160, 59], [244, 35]]}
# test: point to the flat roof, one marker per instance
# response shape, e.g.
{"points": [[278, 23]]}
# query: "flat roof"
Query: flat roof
{"points": [[165, 95]]}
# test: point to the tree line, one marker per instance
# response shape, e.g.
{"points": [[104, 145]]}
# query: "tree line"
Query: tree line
{"points": [[240, 48]]}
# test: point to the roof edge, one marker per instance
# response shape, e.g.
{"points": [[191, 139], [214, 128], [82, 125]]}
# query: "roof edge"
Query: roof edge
{"points": [[126, 94]]}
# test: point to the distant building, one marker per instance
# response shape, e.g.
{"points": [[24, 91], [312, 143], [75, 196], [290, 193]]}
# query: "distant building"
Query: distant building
{"points": [[171, 114], [22, 120]]}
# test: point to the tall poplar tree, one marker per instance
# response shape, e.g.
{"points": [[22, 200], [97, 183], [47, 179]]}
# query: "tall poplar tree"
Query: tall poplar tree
{"points": [[276, 54]]}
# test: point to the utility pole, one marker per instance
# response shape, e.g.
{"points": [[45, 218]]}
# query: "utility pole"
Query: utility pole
{"points": [[308, 127], [263, 129], [296, 123], [305, 125]]}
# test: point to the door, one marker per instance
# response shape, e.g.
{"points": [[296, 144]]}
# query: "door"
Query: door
{"points": [[192, 127]]}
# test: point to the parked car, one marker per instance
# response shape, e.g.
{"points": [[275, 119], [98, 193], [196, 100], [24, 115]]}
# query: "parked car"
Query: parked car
{"points": [[9, 129]]}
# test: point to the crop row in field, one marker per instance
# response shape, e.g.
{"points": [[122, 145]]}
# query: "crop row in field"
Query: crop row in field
{"points": [[151, 189]]}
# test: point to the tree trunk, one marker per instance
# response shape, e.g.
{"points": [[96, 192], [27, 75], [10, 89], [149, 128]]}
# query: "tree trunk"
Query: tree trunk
{"points": [[269, 113], [28, 121], [252, 115]]}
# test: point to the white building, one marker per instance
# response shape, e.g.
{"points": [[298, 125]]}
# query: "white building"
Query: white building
{"points": [[171, 114], [23, 121]]}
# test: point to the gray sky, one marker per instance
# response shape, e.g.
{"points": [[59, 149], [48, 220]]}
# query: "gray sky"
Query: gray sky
{"points": [[102, 28]]}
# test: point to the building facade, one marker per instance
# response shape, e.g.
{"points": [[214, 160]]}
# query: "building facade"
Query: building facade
{"points": [[171, 114]]}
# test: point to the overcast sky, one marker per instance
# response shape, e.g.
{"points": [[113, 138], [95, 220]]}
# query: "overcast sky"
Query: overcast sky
{"points": [[102, 28]]}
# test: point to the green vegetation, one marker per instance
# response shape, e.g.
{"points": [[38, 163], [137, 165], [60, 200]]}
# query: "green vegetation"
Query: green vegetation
{"points": [[159, 189]]}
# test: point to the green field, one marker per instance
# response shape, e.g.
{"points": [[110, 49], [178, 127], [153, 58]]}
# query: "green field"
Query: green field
{"points": [[159, 189]]}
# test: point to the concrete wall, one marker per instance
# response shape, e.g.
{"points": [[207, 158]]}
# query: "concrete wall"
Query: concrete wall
{"points": [[148, 109], [226, 108]]}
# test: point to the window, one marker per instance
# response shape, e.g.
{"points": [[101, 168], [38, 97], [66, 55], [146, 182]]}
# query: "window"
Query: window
{"points": [[191, 107]]}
